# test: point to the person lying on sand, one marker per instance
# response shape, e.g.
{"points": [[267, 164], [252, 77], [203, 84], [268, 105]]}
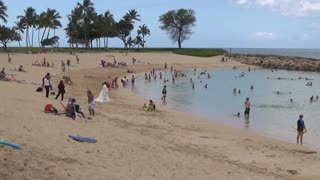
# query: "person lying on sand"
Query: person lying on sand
{"points": [[36, 63]]}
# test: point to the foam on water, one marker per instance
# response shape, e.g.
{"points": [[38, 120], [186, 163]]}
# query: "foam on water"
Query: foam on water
{"points": [[271, 114]]}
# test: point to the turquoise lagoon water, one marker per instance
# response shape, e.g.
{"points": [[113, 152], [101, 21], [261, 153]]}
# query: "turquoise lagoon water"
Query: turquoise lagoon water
{"points": [[271, 114]]}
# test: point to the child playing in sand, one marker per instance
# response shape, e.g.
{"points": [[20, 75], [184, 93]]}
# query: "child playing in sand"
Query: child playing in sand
{"points": [[145, 107]]}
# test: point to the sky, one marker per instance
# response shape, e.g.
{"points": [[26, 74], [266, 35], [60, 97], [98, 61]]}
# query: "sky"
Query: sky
{"points": [[220, 23]]}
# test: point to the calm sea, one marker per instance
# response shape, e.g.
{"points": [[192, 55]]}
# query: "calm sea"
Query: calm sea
{"points": [[308, 53], [272, 114]]}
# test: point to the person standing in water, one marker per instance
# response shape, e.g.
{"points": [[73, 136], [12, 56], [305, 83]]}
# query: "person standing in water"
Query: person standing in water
{"points": [[164, 93], [301, 129], [61, 91], [132, 80], [91, 103], [247, 105]]}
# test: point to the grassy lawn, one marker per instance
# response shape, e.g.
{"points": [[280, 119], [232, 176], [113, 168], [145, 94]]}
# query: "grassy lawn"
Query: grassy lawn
{"points": [[200, 52], [190, 52]]}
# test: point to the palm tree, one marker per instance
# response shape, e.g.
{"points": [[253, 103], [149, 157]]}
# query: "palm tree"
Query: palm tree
{"points": [[49, 20], [87, 9], [73, 27], [28, 19], [107, 27], [20, 27], [3, 13], [132, 16], [144, 31]]}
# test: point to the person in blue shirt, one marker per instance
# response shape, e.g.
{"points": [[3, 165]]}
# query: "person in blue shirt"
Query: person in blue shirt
{"points": [[301, 129]]}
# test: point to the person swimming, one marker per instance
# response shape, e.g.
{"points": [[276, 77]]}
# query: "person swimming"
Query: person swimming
{"points": [[311, 99], [291, 100], [206, 86], [237, 114], [234, 90], [251, 87]]}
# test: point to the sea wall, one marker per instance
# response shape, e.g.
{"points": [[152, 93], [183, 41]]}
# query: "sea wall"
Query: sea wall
{"points": [[278, 62]]}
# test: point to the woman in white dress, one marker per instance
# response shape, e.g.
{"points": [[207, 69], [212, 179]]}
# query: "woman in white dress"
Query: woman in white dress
{"points": [[103, 97]]}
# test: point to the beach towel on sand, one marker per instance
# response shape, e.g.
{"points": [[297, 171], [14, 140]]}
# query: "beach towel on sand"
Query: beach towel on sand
{"points": [[103, 97]]}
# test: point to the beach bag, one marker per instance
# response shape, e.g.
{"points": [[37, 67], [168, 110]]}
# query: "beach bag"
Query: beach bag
{"points": [[50, 109], [52, 93], [47, 108], [39, 89]]}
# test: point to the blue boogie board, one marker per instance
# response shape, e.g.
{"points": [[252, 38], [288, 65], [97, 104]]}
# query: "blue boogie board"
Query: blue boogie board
{"points": [[83, 139], [7, 143]]}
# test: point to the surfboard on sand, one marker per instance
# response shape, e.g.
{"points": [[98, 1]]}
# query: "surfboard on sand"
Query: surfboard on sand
{"points": [[7, 143], [83, 139]]}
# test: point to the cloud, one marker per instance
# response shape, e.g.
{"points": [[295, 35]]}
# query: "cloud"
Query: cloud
{"points": [[286, 7], [265, 35], [315, 26], [306, 37]]}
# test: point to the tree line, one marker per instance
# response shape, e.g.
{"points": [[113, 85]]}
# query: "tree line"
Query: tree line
{"points": [[85, 27]]}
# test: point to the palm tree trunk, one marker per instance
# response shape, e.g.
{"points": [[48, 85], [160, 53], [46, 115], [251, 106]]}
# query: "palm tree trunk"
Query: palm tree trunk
{"points": [[48, 33], [29, 39], [45, 29], [107, 45], [32, 36], [39, 37], [27, 32], [143, 41]]}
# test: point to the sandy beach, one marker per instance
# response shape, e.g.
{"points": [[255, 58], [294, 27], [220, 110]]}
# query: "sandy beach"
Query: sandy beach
{"points": [[132, 143]]}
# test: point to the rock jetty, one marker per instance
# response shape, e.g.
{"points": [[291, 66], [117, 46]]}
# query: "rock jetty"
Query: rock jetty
{"points": [[278, 62]]}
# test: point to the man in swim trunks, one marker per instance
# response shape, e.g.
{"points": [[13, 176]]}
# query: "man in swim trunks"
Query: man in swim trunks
{"points": [[301, 129], [247, 105]]}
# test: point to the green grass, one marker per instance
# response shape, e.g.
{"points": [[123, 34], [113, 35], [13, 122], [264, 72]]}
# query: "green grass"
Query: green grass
{"points": [[190, 52], [200, 52]]}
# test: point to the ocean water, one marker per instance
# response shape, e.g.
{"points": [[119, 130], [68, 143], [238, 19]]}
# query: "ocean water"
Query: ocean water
{"points": [[307, 53], [271, 114]]}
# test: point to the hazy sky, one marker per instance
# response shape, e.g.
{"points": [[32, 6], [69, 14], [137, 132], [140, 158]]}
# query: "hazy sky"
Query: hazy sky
{"points": [[220, 23]]}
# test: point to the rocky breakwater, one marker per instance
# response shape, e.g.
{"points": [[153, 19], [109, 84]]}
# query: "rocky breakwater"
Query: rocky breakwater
{"points": [[278, 62]]}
